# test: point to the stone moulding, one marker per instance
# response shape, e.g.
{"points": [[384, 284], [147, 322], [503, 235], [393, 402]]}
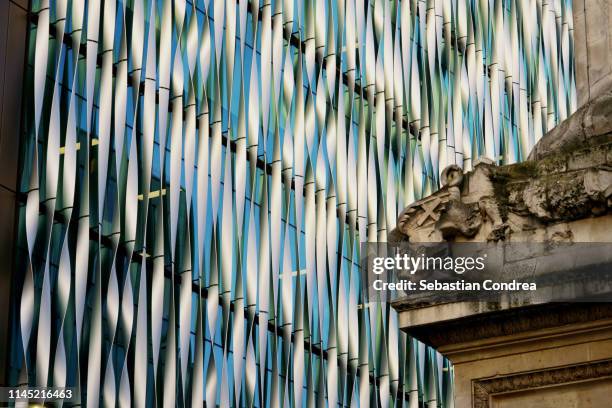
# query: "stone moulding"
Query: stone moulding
{"points": [[484, 389]]}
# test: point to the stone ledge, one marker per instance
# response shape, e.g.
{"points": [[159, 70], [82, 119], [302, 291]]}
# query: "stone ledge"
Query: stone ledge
{"points": [[463, 322]]}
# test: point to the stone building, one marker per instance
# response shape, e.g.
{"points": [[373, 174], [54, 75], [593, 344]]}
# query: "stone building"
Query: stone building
{"points": [[534, 354]]}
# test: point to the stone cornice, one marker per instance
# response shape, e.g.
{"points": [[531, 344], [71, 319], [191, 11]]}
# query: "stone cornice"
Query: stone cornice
{"points": [[509, 322]]}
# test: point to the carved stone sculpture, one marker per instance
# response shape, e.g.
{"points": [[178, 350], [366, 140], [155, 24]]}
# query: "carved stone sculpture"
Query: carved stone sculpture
{"points": [[492, 203]]}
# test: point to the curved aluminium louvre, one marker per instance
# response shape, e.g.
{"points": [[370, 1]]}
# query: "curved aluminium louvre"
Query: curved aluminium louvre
{"points": [[198, 177]]}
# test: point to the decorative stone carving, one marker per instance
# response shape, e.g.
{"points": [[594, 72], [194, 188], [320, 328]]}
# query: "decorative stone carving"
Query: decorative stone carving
{"points": [[452, 177], [458, 218], [493, 203]]}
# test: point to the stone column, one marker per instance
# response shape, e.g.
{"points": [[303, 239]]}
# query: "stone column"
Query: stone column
{"points": [[592, 48]]}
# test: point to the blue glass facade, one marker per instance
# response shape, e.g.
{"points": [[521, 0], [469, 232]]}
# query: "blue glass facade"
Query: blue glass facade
{"points": [[198, 177]]}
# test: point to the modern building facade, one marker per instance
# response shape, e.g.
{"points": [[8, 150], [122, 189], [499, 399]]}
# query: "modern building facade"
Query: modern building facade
{"points": [[196, 178]]}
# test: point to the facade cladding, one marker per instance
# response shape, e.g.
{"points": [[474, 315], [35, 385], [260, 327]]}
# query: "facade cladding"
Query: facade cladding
{"points": [[197, 177]]}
